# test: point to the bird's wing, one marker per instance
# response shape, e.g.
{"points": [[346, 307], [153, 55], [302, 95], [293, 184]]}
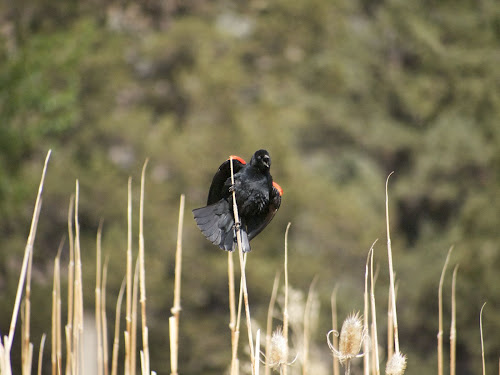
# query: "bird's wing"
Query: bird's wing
{"points": [[216, 192], [256, 224]]}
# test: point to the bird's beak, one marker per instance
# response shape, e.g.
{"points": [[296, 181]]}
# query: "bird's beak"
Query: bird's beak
{"points": [[266, 162]]}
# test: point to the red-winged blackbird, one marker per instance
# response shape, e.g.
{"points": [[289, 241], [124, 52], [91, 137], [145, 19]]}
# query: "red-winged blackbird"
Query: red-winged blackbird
{"points": [[257, 197]]}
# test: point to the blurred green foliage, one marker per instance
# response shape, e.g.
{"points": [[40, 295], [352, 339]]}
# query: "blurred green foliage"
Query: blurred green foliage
{"points": [[340, 92]]}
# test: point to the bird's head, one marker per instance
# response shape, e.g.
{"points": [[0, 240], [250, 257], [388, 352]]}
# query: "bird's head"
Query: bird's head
{"points": [[261, 160]]}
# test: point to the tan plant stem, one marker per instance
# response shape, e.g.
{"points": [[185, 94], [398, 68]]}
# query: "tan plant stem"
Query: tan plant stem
{"points": [[391, 268], [176, 309], [374, 315], [243, 274], [333, 301], [440, 314], [285, 310], [142, 279], [482, 340], [27, 252], [453, 328]]}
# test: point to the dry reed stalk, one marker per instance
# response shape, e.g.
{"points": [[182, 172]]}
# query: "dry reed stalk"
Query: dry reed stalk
{"points": [[5, 366], [270, 311], [285, 310], [133, 332], [27, 251], [453, 327], [56, 355], [59, 312], [105, 353], [482, 340], [440, 314], [71, 277], [366, 315], [54, 319], [376, 363], [234, 354], [27, 346], [235, 339], [128, 314], [78, 294], [98, 310], [335, 343], [307, 326], [243, 274], [391, 268], [232, 308], [390, 327], [40, 354], [116, 341], [176, 309], [142, 279]]}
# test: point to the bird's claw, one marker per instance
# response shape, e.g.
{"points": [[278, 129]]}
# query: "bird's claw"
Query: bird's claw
{"points": [[232, 188], [237, 226]]}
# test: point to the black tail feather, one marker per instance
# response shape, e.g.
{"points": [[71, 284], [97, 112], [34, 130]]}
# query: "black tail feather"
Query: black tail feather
{"points": [[216, 222]]}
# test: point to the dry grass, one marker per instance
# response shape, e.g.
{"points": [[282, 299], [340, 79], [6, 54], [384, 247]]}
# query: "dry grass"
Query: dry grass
{"points": [[176, 309], [352, 336]]}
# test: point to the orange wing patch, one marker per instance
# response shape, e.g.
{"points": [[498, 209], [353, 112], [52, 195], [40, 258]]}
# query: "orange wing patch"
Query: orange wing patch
{"points": [[280, 190], [234, 157]]}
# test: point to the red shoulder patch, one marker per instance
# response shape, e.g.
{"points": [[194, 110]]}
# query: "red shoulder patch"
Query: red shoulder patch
{"points": [[234, 157], [280, 190]]}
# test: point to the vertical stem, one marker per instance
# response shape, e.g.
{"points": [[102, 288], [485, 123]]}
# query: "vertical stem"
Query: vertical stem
{"points": [[105, 353], [78, 293], [174, 335], [391, 268], [98, 319], [232, 309], [234, 357], [335, 364], [40, 354], [53, 353], [348, 367], [482, 340], [128, 302], [142, 277], [374, 315], [366, 315], [133, 331], [440, 314], [453, 329], [285, 310], [243, 275], [116, 342], [390, 327], [25, 351], [71, 278]]}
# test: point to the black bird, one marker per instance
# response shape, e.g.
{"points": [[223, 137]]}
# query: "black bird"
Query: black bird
{"points": [[257, 197]]}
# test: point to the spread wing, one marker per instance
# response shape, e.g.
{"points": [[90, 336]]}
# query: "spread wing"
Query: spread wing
{"points": [[216, 192], [256, 224]]}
